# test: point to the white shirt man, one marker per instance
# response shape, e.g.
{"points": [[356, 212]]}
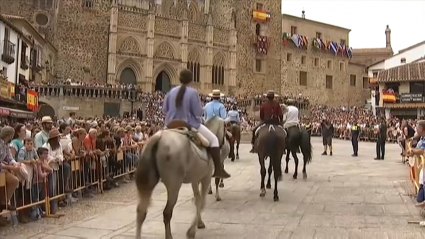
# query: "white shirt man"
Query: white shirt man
{"points": [[291, 116]]}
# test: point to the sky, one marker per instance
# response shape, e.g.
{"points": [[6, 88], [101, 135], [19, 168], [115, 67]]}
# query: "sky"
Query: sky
{"points": [[368, 19]]}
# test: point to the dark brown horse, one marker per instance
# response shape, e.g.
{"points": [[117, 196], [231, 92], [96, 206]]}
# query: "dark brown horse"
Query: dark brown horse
{"points": [[235, 130]]}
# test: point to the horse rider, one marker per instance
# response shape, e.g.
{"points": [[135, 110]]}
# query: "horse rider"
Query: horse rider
{"points": [[215, 107], [292, 122], [233, 116], [270, 113], [183, 103]]}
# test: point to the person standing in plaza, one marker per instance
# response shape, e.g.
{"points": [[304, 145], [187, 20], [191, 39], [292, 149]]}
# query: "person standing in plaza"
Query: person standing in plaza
{"points": [[355, 133], [382, 137], [327, 132]]}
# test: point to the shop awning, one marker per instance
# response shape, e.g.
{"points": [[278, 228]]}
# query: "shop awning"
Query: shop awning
{"points": [[14, 113]]}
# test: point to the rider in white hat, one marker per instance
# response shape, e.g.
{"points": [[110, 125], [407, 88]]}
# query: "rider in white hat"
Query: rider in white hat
{"points": [[215, 107]]}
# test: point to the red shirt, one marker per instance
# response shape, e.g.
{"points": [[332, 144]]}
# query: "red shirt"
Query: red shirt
{"points": [[270, 110]]}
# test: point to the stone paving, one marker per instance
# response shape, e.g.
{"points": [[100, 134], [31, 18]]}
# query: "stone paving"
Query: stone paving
{"points": [[343, 197]]}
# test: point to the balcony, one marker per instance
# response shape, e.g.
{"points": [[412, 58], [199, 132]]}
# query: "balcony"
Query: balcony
{"points": [[8, 54], [37, 61], [24, 63]]}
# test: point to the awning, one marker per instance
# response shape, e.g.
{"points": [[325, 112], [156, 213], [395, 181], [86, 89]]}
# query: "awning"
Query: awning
{"points": [[4, 111], [21, 114]]}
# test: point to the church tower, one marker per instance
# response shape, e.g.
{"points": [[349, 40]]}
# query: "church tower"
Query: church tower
{"points": [[259, 32]]}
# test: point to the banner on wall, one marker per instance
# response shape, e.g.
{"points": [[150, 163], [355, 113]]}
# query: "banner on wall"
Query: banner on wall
{"points": [[32, 100], [4, 89], [260, 16]]}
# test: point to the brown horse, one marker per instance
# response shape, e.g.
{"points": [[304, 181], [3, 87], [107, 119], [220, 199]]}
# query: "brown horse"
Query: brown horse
{"points": [[235, 130]]}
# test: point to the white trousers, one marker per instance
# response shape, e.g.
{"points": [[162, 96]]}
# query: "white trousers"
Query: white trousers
{"points": [[209, 136]]}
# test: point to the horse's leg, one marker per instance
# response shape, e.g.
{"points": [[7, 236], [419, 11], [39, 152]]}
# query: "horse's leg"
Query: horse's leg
{"points": [[173, 194], [198, 201], [305, 168], [204, 188], [237, 147], [294, 154], [287, 160], [217, 193], [276, 179], [263, 175], [270, 171], [221, 185], [210, 189], [232, 151], [142, 211]]}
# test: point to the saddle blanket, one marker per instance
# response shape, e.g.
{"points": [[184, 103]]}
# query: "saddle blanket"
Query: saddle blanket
{"points": [[271, 127]]}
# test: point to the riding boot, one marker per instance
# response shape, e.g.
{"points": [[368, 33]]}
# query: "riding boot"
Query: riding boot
{"points": [[219, 171]]}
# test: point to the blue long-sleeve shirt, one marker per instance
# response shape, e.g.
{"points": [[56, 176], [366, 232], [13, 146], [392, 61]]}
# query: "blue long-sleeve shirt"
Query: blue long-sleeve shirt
{"points": [[233, 115], [190, 110], [215, 108]]}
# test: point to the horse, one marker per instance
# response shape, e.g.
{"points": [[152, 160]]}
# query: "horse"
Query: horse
{"points": [[270, 143], [235, 129], [218, 129], [298, 139], [176, 155]]}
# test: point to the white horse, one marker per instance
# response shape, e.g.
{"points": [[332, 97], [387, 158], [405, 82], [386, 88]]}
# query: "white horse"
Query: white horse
{"points": [[175, 157]]}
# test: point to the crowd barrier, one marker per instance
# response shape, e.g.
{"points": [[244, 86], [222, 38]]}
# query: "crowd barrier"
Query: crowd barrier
{"points": [[70, 180], [368, 135]]}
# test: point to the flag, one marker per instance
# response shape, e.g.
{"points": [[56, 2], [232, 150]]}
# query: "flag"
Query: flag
{"points": [[349, 52], [334, 47], [295, 39], [316, 43]]}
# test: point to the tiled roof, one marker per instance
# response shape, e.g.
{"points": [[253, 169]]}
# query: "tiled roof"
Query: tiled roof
{"points": [[372, 51], [406, 72]]}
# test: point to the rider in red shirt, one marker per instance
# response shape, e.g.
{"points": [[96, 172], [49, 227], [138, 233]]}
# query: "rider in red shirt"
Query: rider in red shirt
{"points": [[270, 113]]}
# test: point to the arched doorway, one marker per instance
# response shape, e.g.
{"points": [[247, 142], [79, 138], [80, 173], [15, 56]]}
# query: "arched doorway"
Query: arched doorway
{"points": [[162, 82], [45, 110], [128, 76]]}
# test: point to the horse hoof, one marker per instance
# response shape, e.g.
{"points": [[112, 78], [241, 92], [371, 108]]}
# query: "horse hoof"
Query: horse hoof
{"points": [[295, 176], [232, 160], [201, 225], [304, 176], [237, 157], [280, 178], [221, 185], [210, 192], [190, 233], [286, 170], [262, 193], [268, 186], [218, 199], [276, 198]]}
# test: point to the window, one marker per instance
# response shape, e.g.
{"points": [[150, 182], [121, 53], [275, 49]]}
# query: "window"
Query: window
{"points": [[195, 68], [417, 87], [375, 74], [403, 60], [316, 61], [260, 6], [257, 29], [341, 66], [288, 56], [217, 75], [303, 78], [329, 64], [293, 30], [88, 3], [365, 82], [328, 82], [342, 42], [319, 35], [303, 60], [352, 80], [258, 65]]}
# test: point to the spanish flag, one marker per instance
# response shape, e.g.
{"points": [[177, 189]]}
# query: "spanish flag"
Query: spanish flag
{"points": [[388, 97], [260, 16]]}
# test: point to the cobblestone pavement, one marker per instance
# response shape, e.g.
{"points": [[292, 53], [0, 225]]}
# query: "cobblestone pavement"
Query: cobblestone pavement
{"points": [[343, 197]]}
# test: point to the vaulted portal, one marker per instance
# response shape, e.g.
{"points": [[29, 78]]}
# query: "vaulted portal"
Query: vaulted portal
{"points": [[162, 82]]}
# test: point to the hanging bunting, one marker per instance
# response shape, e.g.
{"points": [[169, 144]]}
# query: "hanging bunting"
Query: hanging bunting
{"points": [[262, 44]]}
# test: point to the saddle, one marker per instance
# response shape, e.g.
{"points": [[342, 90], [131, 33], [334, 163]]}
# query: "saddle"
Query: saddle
{"points": [[271, 126], [194, 136]]}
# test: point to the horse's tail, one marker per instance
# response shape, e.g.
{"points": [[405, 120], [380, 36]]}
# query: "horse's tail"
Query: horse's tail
{"points": [[306, 147], [147, 174], [272, 146]]}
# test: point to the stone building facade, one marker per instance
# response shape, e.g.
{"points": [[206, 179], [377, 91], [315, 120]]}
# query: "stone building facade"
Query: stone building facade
{"points": [[146, 43]]}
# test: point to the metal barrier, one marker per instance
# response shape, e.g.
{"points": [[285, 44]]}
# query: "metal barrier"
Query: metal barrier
{"points": [[76, 175]]}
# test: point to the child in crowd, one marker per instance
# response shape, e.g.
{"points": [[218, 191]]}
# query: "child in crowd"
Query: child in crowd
{"points": [[42, 171]]}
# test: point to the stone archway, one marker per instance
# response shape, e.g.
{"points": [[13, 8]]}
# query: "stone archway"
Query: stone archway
{"points": [[45, 110], [128, 76], [163, 82]]}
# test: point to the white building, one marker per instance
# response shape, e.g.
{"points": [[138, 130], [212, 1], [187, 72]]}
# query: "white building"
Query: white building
{"points": [[11, 39]]}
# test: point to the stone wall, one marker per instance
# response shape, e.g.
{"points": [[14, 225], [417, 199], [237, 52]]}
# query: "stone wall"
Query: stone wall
{"points": [[82, 39], [87, 107]]}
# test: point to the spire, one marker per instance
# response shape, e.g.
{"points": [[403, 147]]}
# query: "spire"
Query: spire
{"points": [[388, 36]]}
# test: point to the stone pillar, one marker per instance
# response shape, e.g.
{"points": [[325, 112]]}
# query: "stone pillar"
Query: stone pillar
{"points": [[150, 82], [207, 7], [210, 53], [112, 49], [232, 63], [183, 43]]}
